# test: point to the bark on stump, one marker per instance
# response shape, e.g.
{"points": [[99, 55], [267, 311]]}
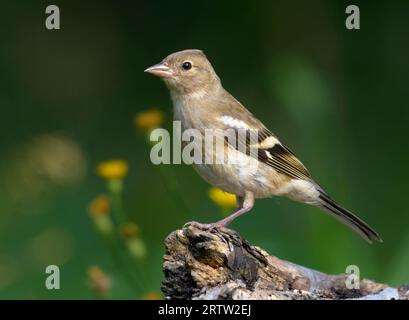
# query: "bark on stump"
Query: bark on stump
{"points": [[219, 264]]}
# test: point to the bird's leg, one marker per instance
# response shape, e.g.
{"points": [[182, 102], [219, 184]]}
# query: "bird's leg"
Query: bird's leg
{"points": [[244, 204]]}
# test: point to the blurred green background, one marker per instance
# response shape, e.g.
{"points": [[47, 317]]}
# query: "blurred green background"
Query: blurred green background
{"points": [[68, 100]]}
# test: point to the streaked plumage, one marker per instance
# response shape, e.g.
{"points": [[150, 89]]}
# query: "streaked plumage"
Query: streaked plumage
{"points": [[200, 102]]}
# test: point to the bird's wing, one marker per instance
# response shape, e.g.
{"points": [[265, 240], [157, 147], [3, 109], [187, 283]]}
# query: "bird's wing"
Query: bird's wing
{"points": [[269, 149], [283, 160]]}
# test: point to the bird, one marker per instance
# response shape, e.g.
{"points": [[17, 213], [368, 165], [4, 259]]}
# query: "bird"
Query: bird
{"points": [[200, 102]]}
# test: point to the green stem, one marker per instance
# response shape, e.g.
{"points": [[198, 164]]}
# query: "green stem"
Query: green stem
{"points": [[110, 242], [120, 253], [115, 188], [173, 186]]}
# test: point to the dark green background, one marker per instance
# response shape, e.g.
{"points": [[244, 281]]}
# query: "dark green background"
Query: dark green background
{"points": [[338, 98]]}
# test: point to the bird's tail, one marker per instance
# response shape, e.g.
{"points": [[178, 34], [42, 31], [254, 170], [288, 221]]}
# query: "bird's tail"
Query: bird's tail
{"points": [[348, 218]]}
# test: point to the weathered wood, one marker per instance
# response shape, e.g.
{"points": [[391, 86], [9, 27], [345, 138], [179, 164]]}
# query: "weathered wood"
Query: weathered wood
{"points": [[219, 264]]}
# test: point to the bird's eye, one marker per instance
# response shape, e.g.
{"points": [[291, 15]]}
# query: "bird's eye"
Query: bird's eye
{"points": [[187, 65]]}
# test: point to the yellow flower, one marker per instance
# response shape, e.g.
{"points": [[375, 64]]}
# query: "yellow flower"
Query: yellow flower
{"points": [[99, 206], [98, 281], [148, 120], [222, 199], [151, 296], [129, 230], [112, 169]]}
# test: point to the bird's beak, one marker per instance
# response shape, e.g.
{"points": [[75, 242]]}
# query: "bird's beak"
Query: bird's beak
{"points": [[160, 70]]}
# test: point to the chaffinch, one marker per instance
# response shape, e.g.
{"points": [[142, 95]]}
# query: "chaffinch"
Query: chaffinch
{"points": [[200, 102]]}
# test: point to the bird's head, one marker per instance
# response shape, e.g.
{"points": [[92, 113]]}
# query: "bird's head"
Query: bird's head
{"points": [[186, 72]]}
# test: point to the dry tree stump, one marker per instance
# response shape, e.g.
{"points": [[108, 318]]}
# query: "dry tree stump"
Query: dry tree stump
{"points": [[219, 264]]}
